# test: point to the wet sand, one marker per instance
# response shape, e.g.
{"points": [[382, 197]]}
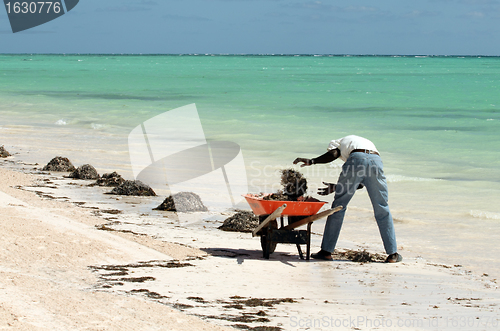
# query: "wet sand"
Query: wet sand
{"points": [[105, 264]]}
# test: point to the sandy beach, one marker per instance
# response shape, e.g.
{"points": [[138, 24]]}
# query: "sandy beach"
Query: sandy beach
{"points": [[186, 111], [102, 264], [46, 279]]}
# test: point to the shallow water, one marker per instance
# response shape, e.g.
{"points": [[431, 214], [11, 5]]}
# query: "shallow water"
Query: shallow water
{"points": [[435, 121]]}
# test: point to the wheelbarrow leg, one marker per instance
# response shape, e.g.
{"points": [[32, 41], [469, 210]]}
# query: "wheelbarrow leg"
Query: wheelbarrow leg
{"points": [[300, 251], [308, 251]]}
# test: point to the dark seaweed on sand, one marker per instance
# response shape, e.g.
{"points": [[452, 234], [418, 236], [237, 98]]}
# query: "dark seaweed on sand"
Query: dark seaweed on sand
{"points": [[59, 163], [3, 152], [182, 202], [242, 221], [358, 256], [111, 179], [133, 187], [85, 171]]}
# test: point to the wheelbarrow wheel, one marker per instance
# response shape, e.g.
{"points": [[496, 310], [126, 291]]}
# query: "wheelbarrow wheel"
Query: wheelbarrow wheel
{"points": [[267, 250], [268, 247]]}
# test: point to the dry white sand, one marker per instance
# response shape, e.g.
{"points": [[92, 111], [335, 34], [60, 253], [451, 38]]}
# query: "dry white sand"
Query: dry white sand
{"points": [[59, 272], [45, 280]]}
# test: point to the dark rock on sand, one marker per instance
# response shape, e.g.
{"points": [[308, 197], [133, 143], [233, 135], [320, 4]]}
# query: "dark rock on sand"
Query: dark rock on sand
{"points": [[242, 221], [3, 152], [133, 187], [183, 202], [59, 163], [86, 171], [111, 179]]}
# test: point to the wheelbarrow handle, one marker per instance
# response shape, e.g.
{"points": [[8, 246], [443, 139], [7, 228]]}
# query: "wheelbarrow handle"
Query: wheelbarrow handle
{"points": [[312, 218], [269, 218]]}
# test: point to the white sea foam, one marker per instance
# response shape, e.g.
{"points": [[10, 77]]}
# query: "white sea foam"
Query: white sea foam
{"points": [[484, 214], [96, 126], [400, 178], [61, 122]]}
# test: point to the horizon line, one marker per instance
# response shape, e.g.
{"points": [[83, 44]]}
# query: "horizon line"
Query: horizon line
{"points": [[257, 54]]}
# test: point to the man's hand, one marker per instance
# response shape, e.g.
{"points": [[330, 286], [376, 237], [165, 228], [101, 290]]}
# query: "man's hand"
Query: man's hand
{"points": [[330, 188], [306, 162]]}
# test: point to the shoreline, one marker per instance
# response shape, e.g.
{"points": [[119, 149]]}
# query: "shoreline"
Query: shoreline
{"points": [[161, 270], [427, 220]]}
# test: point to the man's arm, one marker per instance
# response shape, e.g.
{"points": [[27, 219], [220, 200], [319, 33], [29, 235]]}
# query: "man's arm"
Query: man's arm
{"points": [[328, 157]]}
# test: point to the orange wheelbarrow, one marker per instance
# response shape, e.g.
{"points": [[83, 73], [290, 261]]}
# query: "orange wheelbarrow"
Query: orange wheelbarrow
{"points": [[298, 213]]}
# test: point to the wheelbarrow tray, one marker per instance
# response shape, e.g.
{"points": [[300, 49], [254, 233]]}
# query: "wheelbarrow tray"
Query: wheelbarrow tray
{"points": [[293, 208]]}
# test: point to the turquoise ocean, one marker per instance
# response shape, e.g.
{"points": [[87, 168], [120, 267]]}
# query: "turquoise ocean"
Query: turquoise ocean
{"points": [[435, 121]]}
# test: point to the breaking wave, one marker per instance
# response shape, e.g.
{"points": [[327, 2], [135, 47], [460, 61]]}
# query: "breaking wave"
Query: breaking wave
{"points": [[484, 214], [400, 178]]}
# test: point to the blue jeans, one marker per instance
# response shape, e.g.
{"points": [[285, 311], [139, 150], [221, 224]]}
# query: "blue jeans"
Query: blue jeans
{"points": [[366, 169]]}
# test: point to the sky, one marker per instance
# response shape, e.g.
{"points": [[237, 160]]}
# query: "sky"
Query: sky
{"points": [[364, 27]]}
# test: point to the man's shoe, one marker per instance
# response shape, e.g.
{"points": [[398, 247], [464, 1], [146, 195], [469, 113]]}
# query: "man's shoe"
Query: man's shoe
{"points": [[393, 258], [322, 255]]}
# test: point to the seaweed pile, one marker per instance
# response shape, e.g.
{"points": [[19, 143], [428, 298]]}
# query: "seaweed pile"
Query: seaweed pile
{"points": [[3, 152], [133, 187], [294, 186], [358, 256], [183, 202], [85, 171], [59, 163], [110, 179], [242, 221]]}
